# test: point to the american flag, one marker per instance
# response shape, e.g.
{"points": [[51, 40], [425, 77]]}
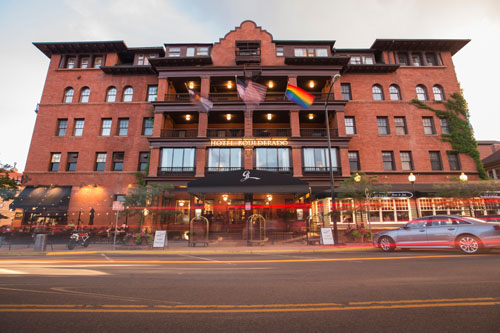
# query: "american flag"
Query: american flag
{"points": [[252, 93], [196, 99]]}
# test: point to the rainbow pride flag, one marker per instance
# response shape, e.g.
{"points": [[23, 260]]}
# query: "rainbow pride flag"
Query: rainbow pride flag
{"points": [[299, 96]]}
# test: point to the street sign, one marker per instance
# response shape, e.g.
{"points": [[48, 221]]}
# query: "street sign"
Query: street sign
{"points": [[248, 206], [384, 195], [160, 238], [326, 236], [118, 205]]}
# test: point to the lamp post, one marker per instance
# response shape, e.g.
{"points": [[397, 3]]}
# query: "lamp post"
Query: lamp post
{"points": [[411, 179], [332, 191], [357, 179], [463, 177]]}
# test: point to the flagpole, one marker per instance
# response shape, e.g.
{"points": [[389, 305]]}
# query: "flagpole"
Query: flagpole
{"points": [[332, 190]]}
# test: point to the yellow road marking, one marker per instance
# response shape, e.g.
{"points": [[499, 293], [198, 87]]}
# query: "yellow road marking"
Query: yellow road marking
{"points": [[425, 300], [118, 261]]}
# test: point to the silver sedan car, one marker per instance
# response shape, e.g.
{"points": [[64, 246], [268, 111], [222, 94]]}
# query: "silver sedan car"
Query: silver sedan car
{"points": [[468, 234]]}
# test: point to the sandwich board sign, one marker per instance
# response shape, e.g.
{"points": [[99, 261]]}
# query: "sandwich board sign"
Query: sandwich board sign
{"points": [[160, 239], [326, 236]]}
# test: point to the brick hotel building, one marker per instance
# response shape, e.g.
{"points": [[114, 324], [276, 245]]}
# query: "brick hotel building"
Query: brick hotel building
{"points": [[108, 111]]}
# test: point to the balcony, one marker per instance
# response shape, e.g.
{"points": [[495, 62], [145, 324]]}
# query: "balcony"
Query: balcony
{"points": [[284, 170], [225, 133], [320, 171], [179, 133], [175, 171], [233, 97], [223, 97], [183, 97], [267, 132], [317, 132], [210, 170], [247, 52]]}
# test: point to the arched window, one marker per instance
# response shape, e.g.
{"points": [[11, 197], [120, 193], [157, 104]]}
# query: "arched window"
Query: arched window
{"points": [[395, 92], [84, 95], [128, 92], [438, 92], [421, 93], [111, 95], [68, 95], [377, 93]]}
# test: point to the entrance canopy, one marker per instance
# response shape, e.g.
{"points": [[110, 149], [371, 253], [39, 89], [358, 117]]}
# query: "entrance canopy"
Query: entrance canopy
{"points": [[247, 181], [43, 199]]}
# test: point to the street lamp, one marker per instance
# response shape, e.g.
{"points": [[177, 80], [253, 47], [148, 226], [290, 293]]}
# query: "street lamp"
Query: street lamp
{"points": [[463, 177], [357, 179], [332, 191], [411, 179]]}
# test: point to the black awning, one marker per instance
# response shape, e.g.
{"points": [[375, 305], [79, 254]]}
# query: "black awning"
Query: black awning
{"points": [[247, 181], [43, 199]]}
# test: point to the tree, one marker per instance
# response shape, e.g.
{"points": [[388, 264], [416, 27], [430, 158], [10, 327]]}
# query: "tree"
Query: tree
{"points": [[142, 197], [8, 185]]}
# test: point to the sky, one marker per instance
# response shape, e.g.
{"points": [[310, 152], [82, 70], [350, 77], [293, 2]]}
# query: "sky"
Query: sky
{"points": [[353, 24]]}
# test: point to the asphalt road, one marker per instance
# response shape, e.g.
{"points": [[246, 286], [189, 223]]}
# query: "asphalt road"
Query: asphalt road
{"points": [[415, 291]]}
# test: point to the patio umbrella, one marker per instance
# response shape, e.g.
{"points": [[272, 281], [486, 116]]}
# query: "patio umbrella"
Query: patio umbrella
{"points": [[91, 218]]}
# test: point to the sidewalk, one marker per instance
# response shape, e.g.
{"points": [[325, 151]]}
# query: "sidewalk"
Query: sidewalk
{"points": [[181, 247]]}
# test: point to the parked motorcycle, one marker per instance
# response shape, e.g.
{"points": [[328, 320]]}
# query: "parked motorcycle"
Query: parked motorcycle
{"points": [[78, 239]]}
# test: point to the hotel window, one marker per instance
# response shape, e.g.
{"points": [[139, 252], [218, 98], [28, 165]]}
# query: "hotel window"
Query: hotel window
{"points": [[140, 59], [202, 51], [71, 62], [435, 158], [62, 124], [72, 160], [431, 59], [280, 52], [300, 52], [55, 159], [224, 159], [190, 52], [400, 124], [428, 123], [143, 161], [354, 161], [84, 95], [378, 94], [453, 161], [321, 53], [350, 125], [367, 60], [84, 62], [68, 95], [383, 125], [122, 127], [438, 92], [118, 158], [177, 160], [272, 159], [394, 92], [106, 127], [346, 91], [147, 126], [78, 130], [152, 93], [98, 61], [406, 160], [445, 127], [416, 60], [316, 159], [100, 161], [403, 59], [174, 51], [128, 93], [355, 60], [421, 93], [111, 95], [388, 160]]}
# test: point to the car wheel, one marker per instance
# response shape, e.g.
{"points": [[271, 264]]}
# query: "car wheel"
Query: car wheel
{"points": [[469, 244], [386, 244]]}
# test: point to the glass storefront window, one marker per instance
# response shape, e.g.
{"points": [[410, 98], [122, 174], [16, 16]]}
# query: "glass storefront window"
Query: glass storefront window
{"points": [[389, 210]]}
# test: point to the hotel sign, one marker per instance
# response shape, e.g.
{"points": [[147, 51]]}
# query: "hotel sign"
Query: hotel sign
{"points": [[250, 142]]}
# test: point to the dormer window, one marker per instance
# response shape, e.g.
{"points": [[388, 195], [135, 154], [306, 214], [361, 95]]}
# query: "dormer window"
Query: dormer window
{"points": [[84, 62], [141, 59], [71, 62], [361, 59], [355, 60], [97, 61], [310, 52], [248, 48], [279, 51], [174, 51], [368, 60], [202, 51]]}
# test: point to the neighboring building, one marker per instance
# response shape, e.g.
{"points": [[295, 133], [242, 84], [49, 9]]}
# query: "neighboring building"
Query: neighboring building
{"points": [[492, 165], [486, 148], [108, 111], [6, 214]]}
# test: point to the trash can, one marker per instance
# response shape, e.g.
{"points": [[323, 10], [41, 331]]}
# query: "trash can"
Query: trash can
{"points": [[40, 242]]}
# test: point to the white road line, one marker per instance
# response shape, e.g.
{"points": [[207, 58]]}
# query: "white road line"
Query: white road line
{"points": [[207, 259], [10, 272], [107, 258]]}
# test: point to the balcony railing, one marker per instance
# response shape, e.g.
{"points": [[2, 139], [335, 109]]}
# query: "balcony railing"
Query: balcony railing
{"points": [[285, 170], [317, 132], [222, 97], [225, 133], [179, 133], [176, 171], [221, 169], [184, 97], [265, 132], [320, 170], [226, 97]]}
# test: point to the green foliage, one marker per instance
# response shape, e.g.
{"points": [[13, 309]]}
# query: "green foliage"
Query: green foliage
{"points": [[8, 186], [461, 134], [350, 188], [461, 189]]}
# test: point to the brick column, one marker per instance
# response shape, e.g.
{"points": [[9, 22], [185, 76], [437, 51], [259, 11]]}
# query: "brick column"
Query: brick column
{"points": [[162, 89], [344, 162], [205, 86], [158, 124], [154, 162], [248, 123], [295, 123], [248, 158], [297, 161], [201, 155], [202, 124]]}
